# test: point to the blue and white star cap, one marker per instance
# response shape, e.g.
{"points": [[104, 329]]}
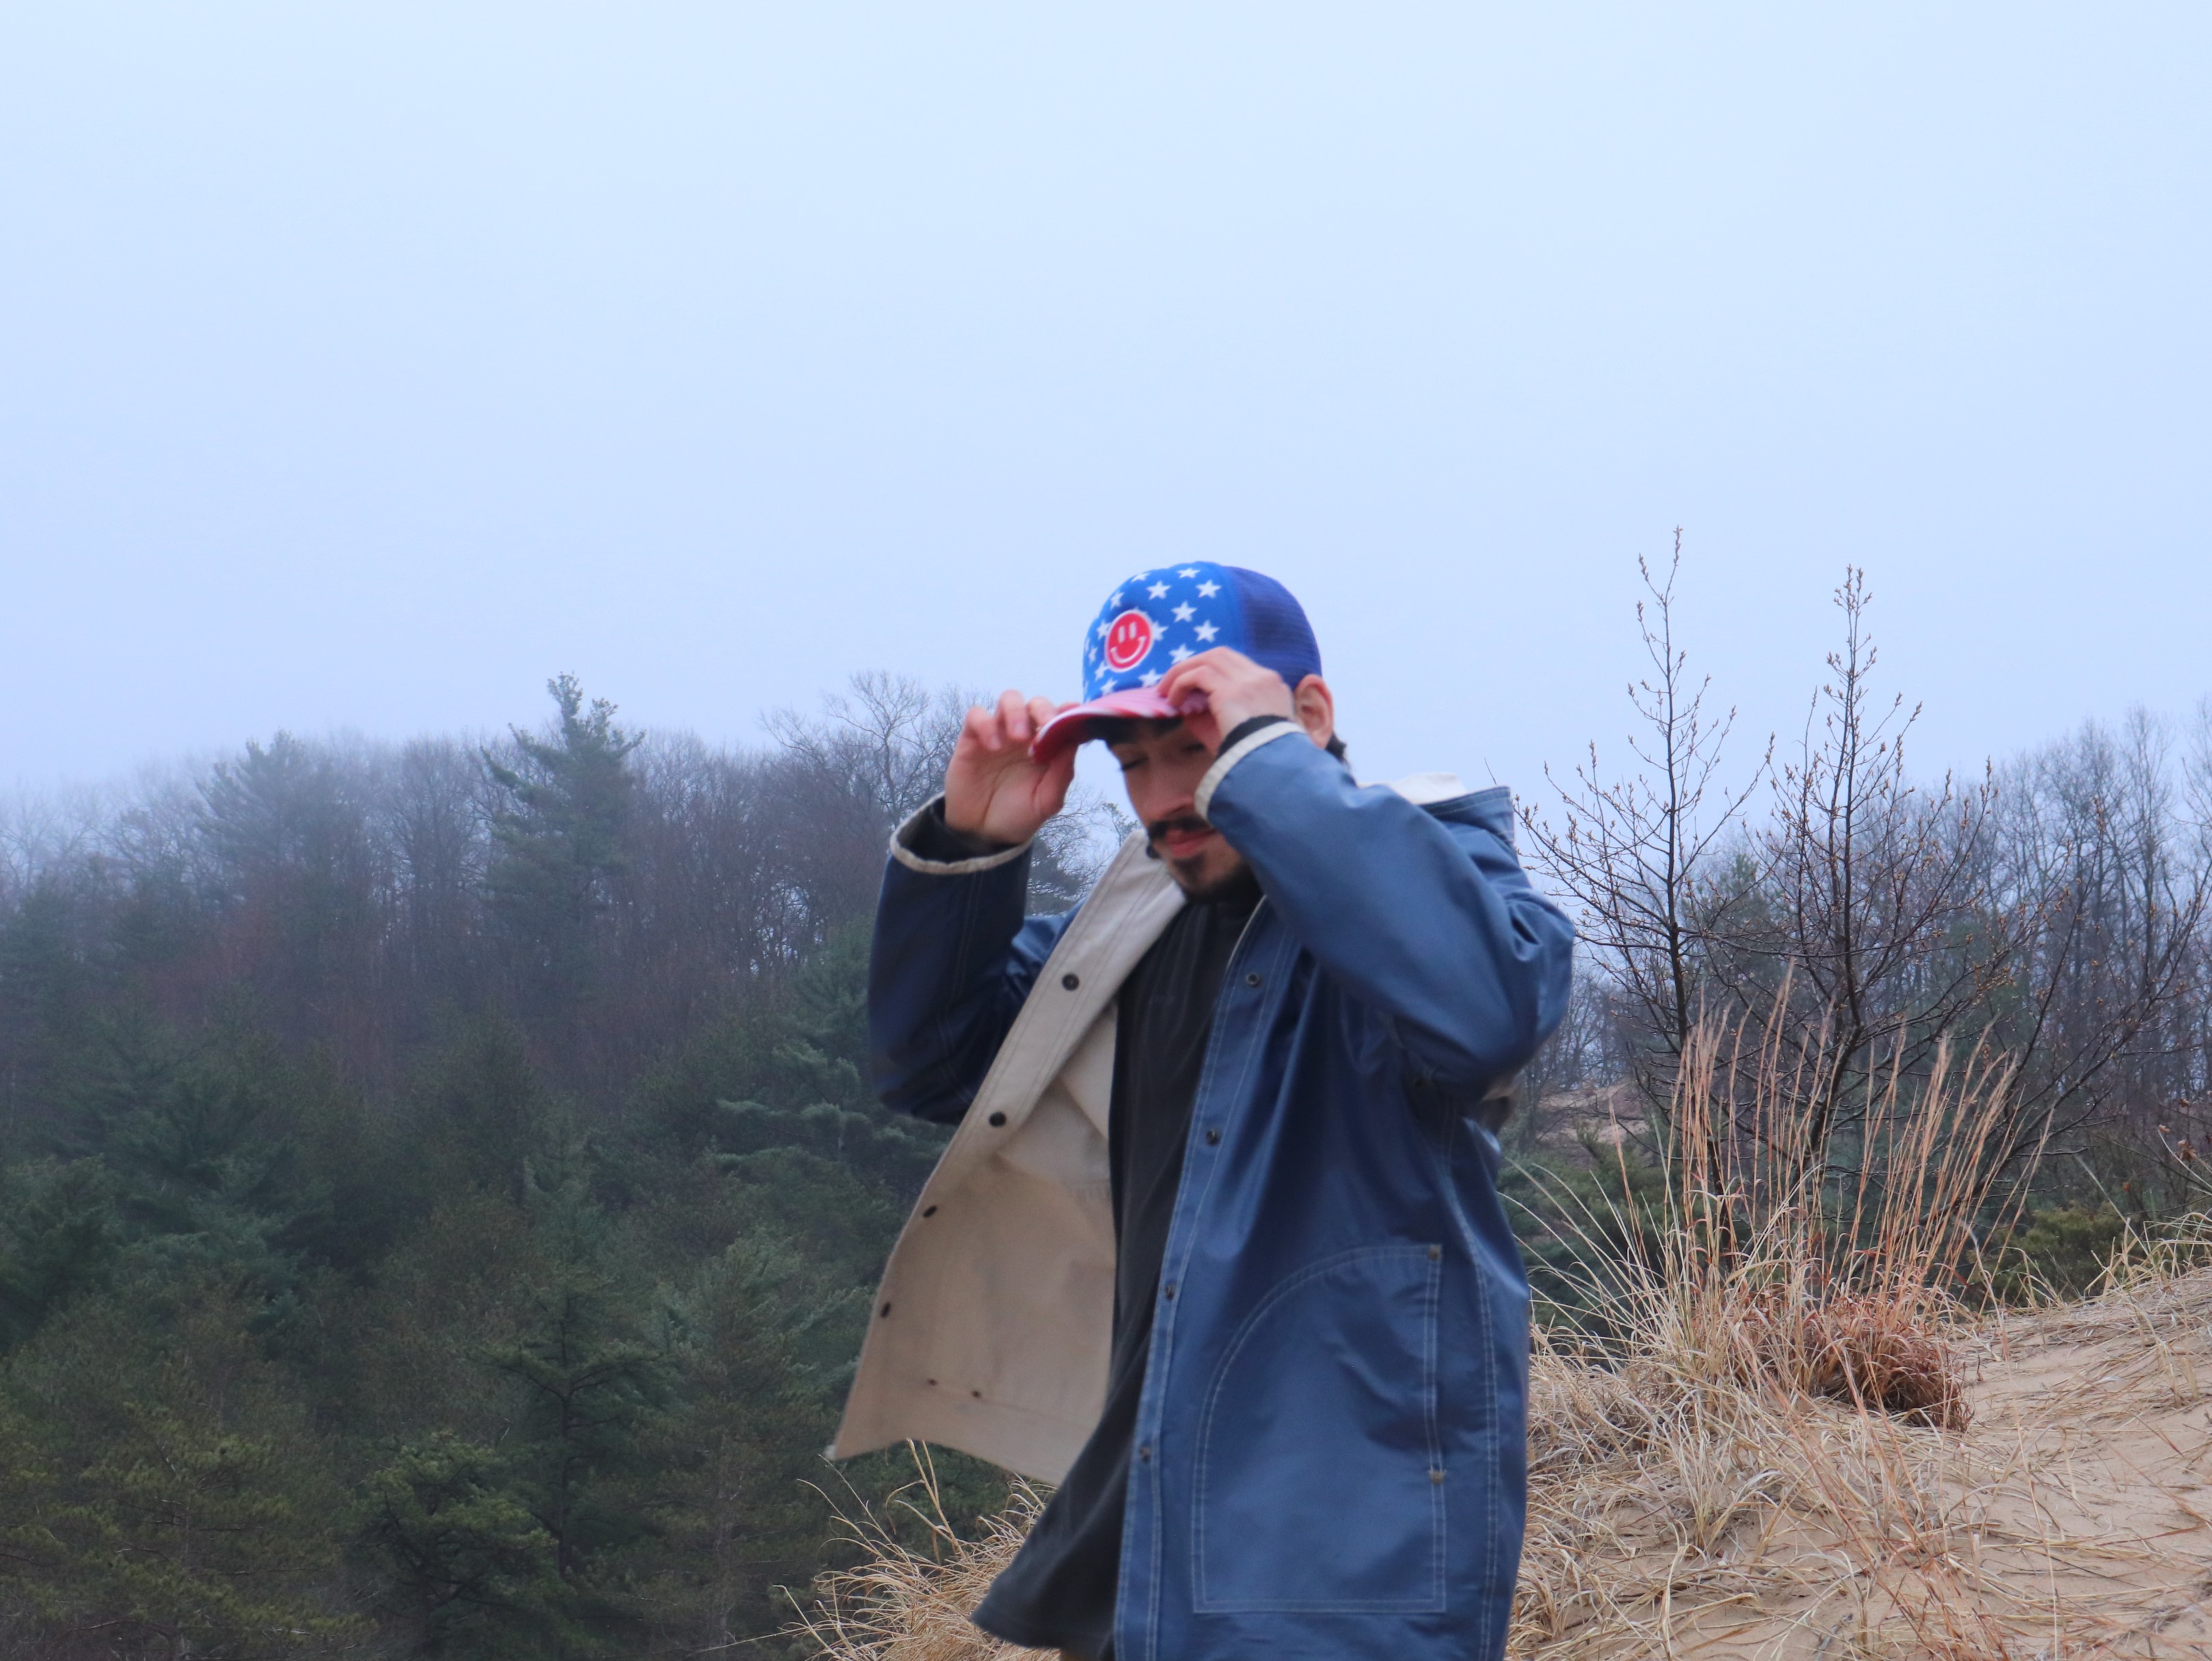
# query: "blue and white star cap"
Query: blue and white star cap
{"points": [[1156, 619]]}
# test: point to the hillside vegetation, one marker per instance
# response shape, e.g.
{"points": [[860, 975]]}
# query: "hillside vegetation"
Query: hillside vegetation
{"points": [[440, 1194], [1795, 1431], [437, 1195], [1676, 1512]]}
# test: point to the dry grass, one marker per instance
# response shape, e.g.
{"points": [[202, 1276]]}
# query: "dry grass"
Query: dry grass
{"points": [[1797, 1440], [1800, 1440], [909, 1604], [1673, 1512]]}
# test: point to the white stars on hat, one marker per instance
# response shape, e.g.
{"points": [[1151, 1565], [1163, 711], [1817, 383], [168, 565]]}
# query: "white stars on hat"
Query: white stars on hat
{"points": [[1177, 623]]}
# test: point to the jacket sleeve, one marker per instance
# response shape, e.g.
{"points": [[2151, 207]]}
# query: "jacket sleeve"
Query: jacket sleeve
{"points": [[952, 961], [1433, 924]]}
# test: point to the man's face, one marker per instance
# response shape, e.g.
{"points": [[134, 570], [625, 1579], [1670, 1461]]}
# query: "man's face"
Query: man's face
{"points": [[1162, 763]]}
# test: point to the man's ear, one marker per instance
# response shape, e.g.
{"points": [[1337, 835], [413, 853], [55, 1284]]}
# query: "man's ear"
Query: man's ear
{"points": [[1315, 707]]}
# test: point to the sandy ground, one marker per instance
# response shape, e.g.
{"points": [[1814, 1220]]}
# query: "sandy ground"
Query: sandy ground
{"points": [[2072, 1519]]}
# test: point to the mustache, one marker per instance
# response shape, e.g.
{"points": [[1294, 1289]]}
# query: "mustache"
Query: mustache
{"points": [[1159, 829]]}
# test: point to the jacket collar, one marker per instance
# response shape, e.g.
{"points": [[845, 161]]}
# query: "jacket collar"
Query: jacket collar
{"points": [[1445, 796]]}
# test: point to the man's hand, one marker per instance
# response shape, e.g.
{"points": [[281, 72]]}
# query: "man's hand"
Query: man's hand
{"points": [[993, 791], [1235, 690]]}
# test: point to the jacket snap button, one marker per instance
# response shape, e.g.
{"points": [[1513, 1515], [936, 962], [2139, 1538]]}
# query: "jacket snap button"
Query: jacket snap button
{"points": [[1071, 982], [1436, 1476], [1252, 980], [1212, 1136], [998, 1118], [1168, 1291], [1435, 1252], [1144, 1454]]}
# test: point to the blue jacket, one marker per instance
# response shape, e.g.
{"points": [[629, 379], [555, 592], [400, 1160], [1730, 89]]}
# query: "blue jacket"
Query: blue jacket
{"points": [[1331, 1443]]}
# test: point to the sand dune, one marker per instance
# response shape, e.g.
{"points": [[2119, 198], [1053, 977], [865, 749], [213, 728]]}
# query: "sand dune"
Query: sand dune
{"points": [[2072, 1518], [1677, 1512]]}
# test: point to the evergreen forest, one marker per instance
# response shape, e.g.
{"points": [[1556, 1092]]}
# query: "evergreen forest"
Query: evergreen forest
{"points": [[437, 1193]]}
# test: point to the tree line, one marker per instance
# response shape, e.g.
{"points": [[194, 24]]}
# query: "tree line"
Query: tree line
{"points": [[1848, 923], [438, 1190], [440, 1194]]}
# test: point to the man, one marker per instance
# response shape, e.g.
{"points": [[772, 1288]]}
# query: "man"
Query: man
{"points": [[1218, 1246]]}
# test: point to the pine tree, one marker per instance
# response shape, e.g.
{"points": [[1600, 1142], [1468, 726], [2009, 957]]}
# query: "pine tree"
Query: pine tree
{"points": [[589, 1389], [559, 836], [736, 1458], [164, 1493], [59, 1235], [476, 1570], [45, 988]]}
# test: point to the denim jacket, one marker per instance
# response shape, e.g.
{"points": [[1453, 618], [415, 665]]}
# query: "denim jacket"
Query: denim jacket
{"points": [[1331, 1441]]}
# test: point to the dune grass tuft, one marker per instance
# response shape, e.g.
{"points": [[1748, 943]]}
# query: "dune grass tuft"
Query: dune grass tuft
{"points": [[910, 1602]]}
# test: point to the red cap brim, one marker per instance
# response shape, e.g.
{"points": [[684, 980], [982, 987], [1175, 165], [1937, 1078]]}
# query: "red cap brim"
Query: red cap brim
{"points": [[1073, 725]]}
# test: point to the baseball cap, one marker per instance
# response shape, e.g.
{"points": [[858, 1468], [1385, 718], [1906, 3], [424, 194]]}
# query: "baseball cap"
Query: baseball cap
{"points": [[1156, 619]]}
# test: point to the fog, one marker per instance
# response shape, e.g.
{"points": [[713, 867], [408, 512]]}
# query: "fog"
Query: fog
{"points": [[362, 365]]}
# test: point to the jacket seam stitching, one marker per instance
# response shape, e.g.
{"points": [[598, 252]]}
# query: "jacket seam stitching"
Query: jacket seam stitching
{"points": [[1202, 1602], [1431, 1385], [1203, 797], [1486, 1349]]}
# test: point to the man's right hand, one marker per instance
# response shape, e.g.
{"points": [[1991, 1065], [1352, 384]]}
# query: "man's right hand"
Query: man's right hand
{"points": [[993, 791]]}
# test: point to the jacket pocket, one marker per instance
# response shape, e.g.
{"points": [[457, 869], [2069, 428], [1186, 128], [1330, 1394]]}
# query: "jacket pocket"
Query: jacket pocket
{"points": [[1318, 1483]]}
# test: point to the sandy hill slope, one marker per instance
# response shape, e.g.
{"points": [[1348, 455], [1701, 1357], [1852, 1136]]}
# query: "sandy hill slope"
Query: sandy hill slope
{"points": [[2071, 1517], [1676, 1512]]}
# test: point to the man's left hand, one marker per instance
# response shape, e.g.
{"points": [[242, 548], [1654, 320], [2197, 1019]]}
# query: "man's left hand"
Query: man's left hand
{"points": [[1236, 687]]}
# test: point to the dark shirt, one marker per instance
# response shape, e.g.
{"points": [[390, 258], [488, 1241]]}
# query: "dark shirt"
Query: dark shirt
{"points": [[1059, 1591]]}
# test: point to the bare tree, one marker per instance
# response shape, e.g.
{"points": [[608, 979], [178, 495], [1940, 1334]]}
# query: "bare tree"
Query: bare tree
{"points": [[886, 741], [2053, 913], [887, 738], [433, 815], [2099, 855], [1884, 916], [1636, 853]]}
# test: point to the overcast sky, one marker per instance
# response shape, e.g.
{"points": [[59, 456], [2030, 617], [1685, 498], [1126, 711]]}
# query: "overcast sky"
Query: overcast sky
{"points": [[360, 366]]}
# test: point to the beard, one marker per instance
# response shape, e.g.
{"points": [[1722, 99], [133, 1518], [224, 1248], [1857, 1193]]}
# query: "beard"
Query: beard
{"points": [[1208, 879], [1239, 885]]}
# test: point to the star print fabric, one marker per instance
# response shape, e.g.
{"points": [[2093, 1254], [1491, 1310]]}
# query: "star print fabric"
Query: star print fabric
{"points": [[1159, 618]]}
